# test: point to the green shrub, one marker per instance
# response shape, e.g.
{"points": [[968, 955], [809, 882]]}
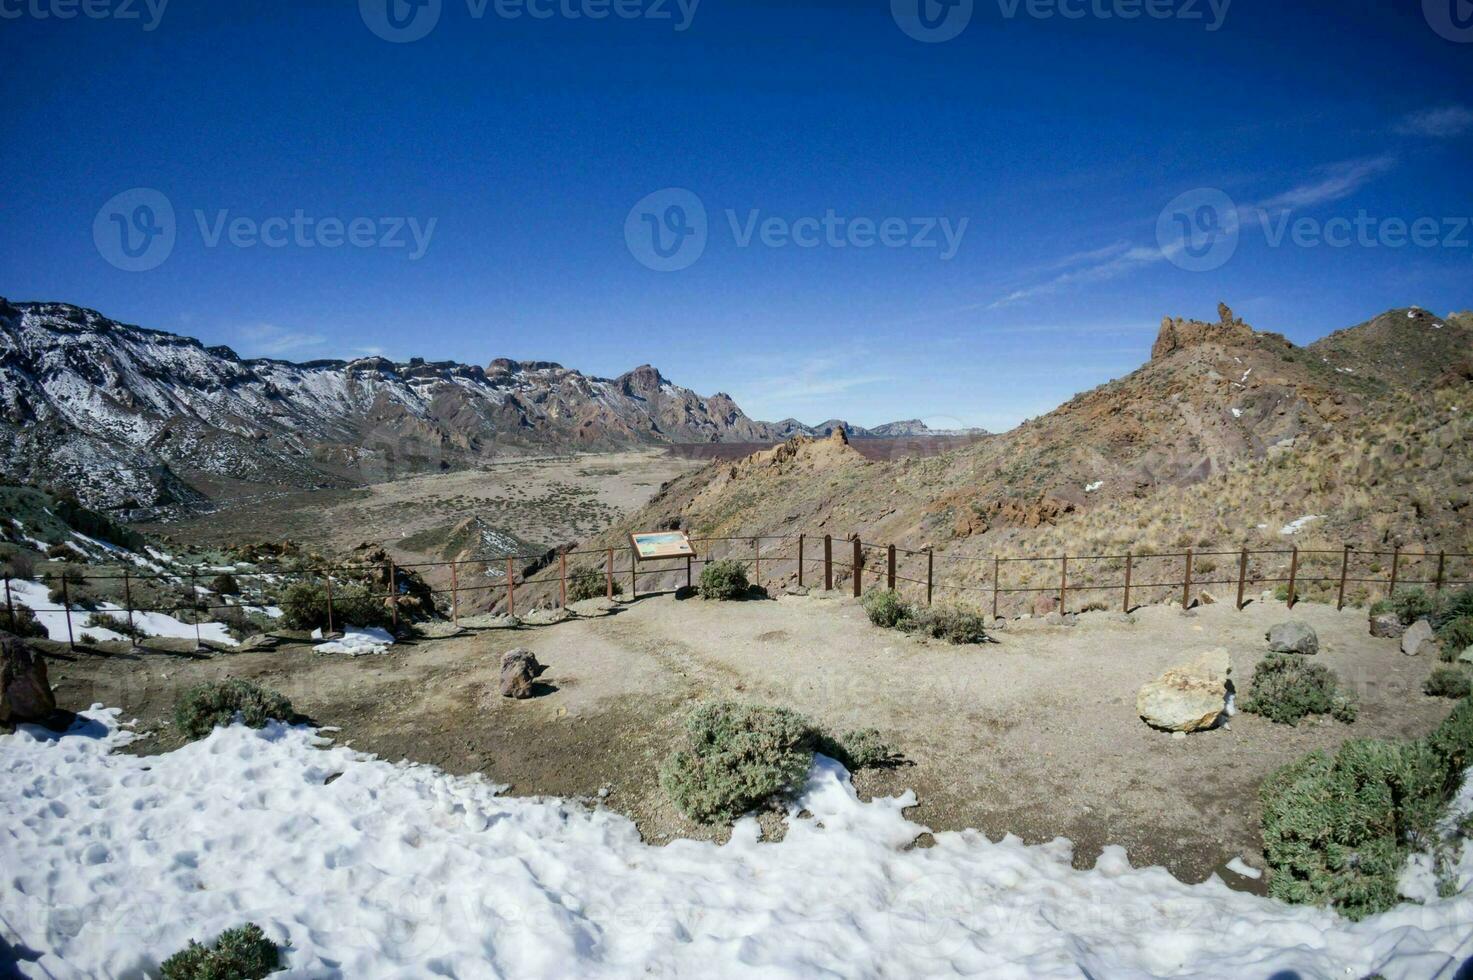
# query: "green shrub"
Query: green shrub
{"points": [[1453, 742], [304, 606], [725, 579], [950, 623], [885, 608], [24, 623], [589, 583], [224, 584], [863, 748], [1336, 831], [1448, 682], [118, 624], [1412, 605], [242, 953], [1286, 687], [1344, 707], [1454, 606], [736, 756], [202, 708], [1456, 635]]}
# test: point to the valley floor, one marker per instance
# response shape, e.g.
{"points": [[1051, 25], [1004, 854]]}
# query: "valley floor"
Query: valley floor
{"points": [[1035, 735]]}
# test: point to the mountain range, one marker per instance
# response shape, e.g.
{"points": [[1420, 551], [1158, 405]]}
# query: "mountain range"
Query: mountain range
{"points": [[1225, 437], [135, 419]]}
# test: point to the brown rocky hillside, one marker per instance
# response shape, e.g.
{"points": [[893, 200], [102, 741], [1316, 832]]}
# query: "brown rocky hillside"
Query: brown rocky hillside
{"points": [[1223, 439]]}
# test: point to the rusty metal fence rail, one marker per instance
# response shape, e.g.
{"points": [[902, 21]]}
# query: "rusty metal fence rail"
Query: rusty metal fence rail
{"points": [[811, 560]]}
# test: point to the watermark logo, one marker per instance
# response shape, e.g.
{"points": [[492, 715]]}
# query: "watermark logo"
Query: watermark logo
{"points": [[1198, 231], [149, 13], [400, 21], [666, 231], [932, 21], [1451, 19], [135, 230]]}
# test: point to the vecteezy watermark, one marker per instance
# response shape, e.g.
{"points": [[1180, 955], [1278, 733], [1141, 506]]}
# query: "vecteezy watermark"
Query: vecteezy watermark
{"points": [[932, 21], [1451, 19], [136, 230], [667, 230], [402, 21], [147, 12], [1200, 230]]}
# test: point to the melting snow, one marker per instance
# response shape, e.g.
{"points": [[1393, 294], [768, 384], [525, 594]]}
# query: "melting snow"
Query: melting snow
{"points": [[356, 641], [1300, 523], [35, 597], [1092, 487], [1237, 413], [1238, 866], [114, 861]]}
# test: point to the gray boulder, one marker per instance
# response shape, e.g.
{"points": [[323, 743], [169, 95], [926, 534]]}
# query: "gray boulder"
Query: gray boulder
{"points": [[519, 671], [1417, 637], [1187, 698], [1466, 657], [546, 617], [25, 691], [1387, 626], [1294, 636]]}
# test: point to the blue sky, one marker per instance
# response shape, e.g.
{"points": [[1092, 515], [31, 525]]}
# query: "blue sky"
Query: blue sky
{"points": [[1062, 152]]}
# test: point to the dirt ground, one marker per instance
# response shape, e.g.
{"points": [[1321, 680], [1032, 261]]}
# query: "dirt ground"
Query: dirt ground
{"points": [[547, 500], [1035, 734]]}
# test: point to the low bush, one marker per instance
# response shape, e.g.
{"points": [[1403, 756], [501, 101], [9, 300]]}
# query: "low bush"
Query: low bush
{"points": [[725, 579], [735, 756], [886, 609], [242, 953], [23, 623], [589, 583], [1454, 606], [1456, 635], [950, 623], [1448, 682], [202, 708], [1412, 605], [304, 605], [224, 584], [1286, 687], [118, 624], [1338, 829]]}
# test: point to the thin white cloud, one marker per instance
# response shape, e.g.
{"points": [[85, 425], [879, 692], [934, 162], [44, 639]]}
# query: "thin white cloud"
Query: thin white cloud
{"points": [[269, 340], [1331, 183], [1119, 265], [816, 379], [1442, 122]]}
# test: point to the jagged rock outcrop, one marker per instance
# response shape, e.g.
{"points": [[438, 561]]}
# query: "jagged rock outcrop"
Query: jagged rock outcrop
{"points": [[1177, 333]]}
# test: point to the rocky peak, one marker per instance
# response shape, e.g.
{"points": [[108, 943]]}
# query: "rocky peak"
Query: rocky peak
{"points": [[1178, 333], [643, 380]]}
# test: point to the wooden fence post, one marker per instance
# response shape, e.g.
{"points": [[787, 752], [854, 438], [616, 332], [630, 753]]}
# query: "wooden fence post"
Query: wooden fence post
{"points": [[454, 594], [1129, 565], [1344, 571], [1242, 576], [1186, 583], [930, 573], [1063, 583], [394, 591], [828, 562], [858, 567], [328, 584], [1441, 564], [800, 561], [890, 568], [757, 562], [1395, 563], [1293, 575], [562, 580], [128, 601], [193, 597], [609, 573], [996, 572], [511, 587], [10, 607], [66, 604], [687, 572]]}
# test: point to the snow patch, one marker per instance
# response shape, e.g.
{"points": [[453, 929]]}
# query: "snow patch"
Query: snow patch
{"points": [[115, 860], [356, 641], [1300, 523], [1092, 487]]}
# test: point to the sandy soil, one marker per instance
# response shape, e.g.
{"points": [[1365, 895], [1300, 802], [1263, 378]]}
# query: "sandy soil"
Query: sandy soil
{"points": [[546, 500], [1035, 734]]}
